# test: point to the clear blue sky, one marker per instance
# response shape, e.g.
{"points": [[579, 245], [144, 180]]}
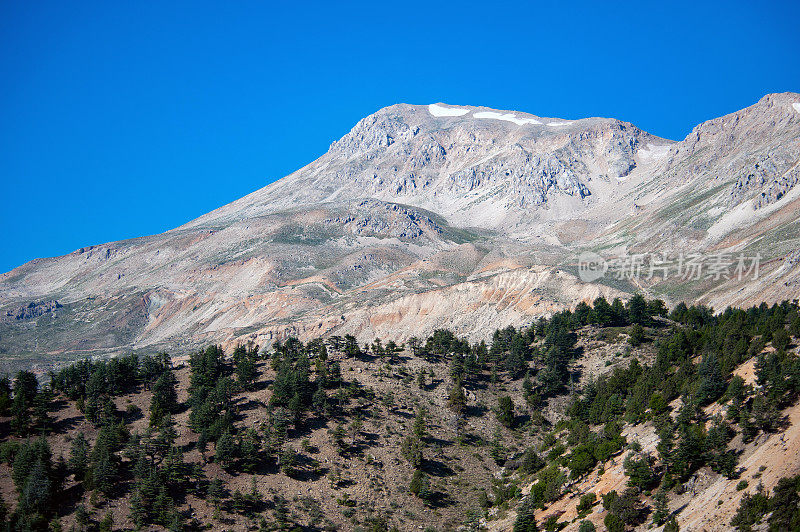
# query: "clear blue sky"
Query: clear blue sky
{"points": [[119, 119]]}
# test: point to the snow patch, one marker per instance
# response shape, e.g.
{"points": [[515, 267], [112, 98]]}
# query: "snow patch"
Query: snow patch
{"points": [[439, 110], [508, 117], [796, 106], [558, 124]]}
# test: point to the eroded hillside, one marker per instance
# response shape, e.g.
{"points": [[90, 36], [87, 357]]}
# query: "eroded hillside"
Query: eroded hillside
{"points": [[612, 415]]}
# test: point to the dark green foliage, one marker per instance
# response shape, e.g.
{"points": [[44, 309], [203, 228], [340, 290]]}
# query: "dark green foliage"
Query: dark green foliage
{"points": [[293, 388], [250, 450], [660, 507], [626, 508], [226, 450], [602, 314], [105, 464], [112, 377], [420, 485], [780, 339], [783, 505], [638, 310], [457, 400], [308, 393], [613, 523], [637, 335], [20, 410], [443, 342], [420, 423], [165, 398], [207, 367], [559, 349], [640, 471], [548, 487], [586, 503], [245, 360], [24, 393], [412, 450], [752, 509], [505, 411], [25, 384], [79, 456], [712, 385], [794, 326], [211, 412], [5, 395], [530, 462], [526, 517], [36, 483]]}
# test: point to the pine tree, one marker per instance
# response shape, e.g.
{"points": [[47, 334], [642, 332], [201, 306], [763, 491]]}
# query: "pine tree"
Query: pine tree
{"points": [[36, 494], [457, 400], [319, 401], [672, 525], [637, 335], [420, 423], [165, 398], [244, 361], [104, 470], [660, 507], [505, 411], [107, 523], [20, 410], [226, 450], [637, 310], [5, 395], [79, 456], [26, 457], [526, 517], [250, 450], [412, 450], [420, 485], [3, 513], [25, 383], [421, 379]]}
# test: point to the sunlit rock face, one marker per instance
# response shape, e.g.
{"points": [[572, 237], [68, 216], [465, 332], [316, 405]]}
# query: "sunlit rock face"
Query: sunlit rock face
{"points": [[425, 216]]}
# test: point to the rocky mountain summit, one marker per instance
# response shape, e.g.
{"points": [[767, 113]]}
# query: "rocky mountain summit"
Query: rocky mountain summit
{"points": [[479, 165], [424, 215]]}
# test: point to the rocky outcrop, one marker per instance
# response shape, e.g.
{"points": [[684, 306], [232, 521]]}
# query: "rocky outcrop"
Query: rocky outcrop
{"points": [[378, 218], [778, 187], [32, 310]]}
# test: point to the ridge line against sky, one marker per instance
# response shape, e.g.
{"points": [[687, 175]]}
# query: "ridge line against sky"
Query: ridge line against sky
{"points": [[119, 122]]}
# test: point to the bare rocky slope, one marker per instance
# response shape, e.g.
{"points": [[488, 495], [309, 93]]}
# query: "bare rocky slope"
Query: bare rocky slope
{"points": [[429, 215]]}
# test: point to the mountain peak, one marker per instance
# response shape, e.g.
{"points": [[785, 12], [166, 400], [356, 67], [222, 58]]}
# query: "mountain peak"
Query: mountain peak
{"points": [[441, 190]]}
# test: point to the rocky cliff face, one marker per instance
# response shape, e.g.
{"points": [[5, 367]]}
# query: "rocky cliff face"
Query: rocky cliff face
{"points": [[480, 165], [422, 215]]}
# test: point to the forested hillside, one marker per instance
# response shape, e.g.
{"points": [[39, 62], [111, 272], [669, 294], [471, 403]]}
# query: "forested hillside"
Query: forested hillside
{"points": [[522, 431]]}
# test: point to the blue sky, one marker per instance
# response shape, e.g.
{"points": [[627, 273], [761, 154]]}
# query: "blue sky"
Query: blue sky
{"points": [[119, 119]]}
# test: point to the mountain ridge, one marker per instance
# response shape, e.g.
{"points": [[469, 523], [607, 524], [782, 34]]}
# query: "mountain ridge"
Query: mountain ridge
{"points": [[408, 207]]}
